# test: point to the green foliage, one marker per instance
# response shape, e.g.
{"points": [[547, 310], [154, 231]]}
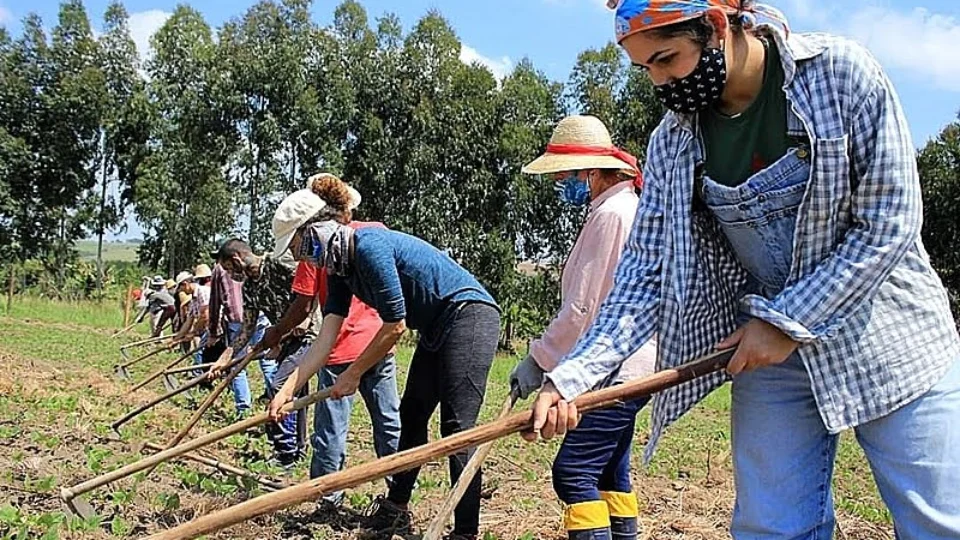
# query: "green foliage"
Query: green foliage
{"points": [[96, 458], [939, 167], [120, 526], [230, 119], [17, 525]]}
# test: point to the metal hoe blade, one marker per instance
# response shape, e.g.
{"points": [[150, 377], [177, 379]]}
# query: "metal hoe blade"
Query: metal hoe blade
{"points": [[122, 372], [78, 507], [170, 383]]}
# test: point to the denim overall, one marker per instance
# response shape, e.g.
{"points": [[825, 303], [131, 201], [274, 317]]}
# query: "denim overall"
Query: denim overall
{"points": [[781, 450]]}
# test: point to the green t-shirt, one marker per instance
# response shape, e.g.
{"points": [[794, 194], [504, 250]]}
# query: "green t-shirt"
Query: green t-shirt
{"points": [[740, 146]]}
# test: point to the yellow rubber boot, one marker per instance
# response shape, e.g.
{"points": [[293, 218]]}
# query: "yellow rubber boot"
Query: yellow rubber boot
{"points": [[587, 521], [623, 510]]}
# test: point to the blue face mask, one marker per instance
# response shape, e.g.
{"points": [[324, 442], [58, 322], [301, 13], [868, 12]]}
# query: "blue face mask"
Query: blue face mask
{"points": [[573, 191], [312, 248]]}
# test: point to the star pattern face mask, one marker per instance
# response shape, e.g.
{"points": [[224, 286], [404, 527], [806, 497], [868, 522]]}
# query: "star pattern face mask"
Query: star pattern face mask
{"points": [[701, 88]]}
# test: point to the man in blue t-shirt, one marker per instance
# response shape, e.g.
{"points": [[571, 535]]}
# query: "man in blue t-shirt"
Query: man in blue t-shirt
{"points": [[411, 284]]}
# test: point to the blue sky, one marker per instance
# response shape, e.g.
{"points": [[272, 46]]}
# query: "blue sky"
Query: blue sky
{"points": [[918, 42]]}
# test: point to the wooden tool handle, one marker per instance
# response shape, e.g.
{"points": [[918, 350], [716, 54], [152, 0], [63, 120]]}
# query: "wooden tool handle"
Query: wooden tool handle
{"points": [[439, 523], [154, 352], [222, 467], [68, 493], [354, 476], [158, 373], [196, 381], [146, 342], [212, 398]]}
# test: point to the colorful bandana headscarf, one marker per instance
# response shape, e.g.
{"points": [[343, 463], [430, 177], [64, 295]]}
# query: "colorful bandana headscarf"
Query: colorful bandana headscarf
{"points": [[638, 15]]}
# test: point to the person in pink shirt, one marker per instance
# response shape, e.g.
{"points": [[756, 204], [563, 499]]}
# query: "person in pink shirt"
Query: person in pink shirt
{"points": [[591, 472]]}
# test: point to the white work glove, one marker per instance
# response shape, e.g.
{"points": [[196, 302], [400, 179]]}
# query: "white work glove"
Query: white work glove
{"points": [[526, 378]]}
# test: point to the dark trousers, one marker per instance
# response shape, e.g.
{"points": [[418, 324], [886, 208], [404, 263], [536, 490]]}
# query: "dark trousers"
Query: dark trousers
{"points": [[595, 457], [455, 377], [289, 436]]}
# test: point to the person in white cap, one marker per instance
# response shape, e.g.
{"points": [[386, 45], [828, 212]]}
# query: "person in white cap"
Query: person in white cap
{"points": [[591, 473], [410, 284], [327, 197]]}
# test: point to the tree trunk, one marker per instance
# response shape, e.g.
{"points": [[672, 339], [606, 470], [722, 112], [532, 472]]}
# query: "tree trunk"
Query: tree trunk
{"points": [[61, 252], [254, 200], [293, 165], [103, 206]]}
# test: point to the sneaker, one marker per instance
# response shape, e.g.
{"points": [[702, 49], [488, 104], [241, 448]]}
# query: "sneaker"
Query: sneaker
{"points": [[386, 518], [287, 461]]}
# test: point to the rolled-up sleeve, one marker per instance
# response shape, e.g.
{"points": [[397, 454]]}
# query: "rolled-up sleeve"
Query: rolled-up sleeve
{"points": [[886, 217], [626, 319]]}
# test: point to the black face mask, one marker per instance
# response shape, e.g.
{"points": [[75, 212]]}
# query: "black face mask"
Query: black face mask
{"points": [[701, 88]]}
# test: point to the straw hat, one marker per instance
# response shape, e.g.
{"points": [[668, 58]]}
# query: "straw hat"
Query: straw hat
{"points": [[202, 271], [183, 276], [354, 194], [169, 284], [586, 131]]}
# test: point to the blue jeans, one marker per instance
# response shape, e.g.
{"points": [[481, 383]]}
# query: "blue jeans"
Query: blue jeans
{"points": [[268, 366], [783, 481], [239, 385], [198, 356], [331, 420], [783, 456], [595, 457]]}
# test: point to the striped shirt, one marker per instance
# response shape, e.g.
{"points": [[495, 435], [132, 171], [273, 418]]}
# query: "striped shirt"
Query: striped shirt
{"points": [[869, 312]]}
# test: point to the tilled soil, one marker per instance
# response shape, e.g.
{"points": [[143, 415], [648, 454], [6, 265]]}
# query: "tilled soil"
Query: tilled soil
{"points": [[52, 429]]}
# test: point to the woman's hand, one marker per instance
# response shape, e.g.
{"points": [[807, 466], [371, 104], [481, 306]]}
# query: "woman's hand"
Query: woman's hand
{"points": [[552, 416], [758, 344], [276, 404], [346, 385]]}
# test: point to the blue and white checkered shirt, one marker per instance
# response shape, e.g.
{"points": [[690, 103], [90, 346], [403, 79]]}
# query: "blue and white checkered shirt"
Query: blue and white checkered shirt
{"points": [[870, 313]]}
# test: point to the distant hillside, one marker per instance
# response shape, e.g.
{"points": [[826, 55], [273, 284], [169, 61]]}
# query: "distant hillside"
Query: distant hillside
{"points": [[112, 251]]}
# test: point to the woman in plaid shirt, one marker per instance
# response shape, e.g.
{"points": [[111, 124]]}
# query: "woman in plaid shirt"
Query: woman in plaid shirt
{"points": [[781, 216]]}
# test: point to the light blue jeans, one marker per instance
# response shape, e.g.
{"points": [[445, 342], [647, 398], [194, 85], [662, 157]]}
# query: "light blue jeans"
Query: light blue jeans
{"points": [[783, 459], [331, 419], [783, 456], [240, 384]]}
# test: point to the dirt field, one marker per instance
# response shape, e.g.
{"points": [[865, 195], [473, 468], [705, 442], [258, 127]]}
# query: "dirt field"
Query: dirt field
{"points": [[58, 395]]}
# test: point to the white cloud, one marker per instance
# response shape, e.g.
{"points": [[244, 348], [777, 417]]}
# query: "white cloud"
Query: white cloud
{"points": [[499, 67], [920, 42], [143, 25], [5, 15]]}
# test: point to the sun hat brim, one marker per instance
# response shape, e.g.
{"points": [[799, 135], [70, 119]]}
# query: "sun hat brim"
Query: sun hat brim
{"points": [[553, 163], [282, 243]]}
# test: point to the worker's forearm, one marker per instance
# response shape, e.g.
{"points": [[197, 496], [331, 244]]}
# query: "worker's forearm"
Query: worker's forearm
{"points": [[184, 328], [298, 310], [316, 356], [296, 313]]}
